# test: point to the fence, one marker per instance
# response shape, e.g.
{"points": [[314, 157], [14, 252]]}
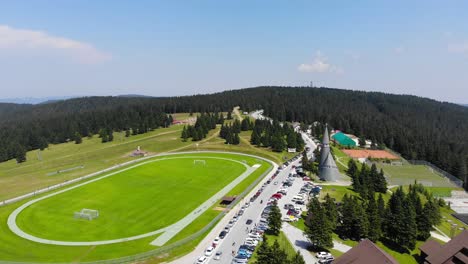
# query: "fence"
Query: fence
{"points": [[439, 171], [164, 249]]}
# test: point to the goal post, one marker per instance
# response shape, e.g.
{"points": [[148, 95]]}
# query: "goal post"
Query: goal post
{"points": [[200, 162], [88, 214]]}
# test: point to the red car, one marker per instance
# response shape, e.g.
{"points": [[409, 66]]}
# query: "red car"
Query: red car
{"points": [[277, 196]]}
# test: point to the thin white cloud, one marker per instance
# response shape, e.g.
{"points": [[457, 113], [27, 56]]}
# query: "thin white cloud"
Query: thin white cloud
{"points": [[12, 38], [459, 48], [319, 65]]}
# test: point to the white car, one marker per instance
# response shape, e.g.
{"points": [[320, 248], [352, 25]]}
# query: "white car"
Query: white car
{"points": [[209, 251], [323, 254], [216, 241], [201, 260]]}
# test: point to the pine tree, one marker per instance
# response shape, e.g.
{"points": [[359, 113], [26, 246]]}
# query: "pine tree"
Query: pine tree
{"points": [[291, 140], [20, 154], [380, 184], [184, 134], [375, 221], [78, 139], [110, 135], [274, 220], [263, 252], [245, 124], [360, 223], [318, 228], [381, 207], [236, 126], [235, 139], [255, 138], [352, 168], [127, 132], [229, 115], [408, 226], [298, 258], [278, 255], [424, 222], [331, 210]]}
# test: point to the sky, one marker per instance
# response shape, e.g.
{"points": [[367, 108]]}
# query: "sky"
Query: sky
{"points": [[165, 48]]}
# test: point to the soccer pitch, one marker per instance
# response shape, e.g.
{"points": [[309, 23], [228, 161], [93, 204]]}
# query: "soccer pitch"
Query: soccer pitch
{"points": [[407, 174], [151, 196]]}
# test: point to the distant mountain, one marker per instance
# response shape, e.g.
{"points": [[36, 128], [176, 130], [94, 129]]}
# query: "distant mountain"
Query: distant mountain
{"points": [[416, 127], [465, 105], [34, 100], [134, 96]]}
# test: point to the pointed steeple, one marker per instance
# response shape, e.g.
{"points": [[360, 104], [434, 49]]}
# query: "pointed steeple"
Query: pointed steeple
{"points": [[328, 171]]}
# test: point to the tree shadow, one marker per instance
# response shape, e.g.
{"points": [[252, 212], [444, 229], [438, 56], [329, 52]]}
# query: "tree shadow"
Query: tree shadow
{"points": [[394, 246]]}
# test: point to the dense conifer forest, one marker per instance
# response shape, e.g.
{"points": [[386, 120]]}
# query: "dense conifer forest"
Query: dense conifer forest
{"points": [[418, 128]]}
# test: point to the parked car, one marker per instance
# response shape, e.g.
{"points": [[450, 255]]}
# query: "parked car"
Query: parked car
{"points": [[218, 255], [222, 234], [249, 221], [323, 254], [209, 251], [201, 260], [216, 241]]}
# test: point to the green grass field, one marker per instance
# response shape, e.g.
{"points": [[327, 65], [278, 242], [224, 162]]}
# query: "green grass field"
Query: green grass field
{"points": [[133, 202], [407, 174], [53, 217]]}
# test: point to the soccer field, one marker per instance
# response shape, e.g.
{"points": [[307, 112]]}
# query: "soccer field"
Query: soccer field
{"points": [[148, 197], [407, 174]]}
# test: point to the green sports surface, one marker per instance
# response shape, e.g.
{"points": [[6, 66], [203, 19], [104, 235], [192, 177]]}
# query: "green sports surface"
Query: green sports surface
{"points": [[132, 202], [407, 174]]}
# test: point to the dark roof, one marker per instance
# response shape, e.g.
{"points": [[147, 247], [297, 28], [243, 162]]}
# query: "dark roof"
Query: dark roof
{"points": [[457, 247], [430, 246], [229, 198], [365, 252], [462, 217]]}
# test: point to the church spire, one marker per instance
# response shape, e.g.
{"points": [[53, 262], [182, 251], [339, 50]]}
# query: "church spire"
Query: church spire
{"points": [[328, 171]]}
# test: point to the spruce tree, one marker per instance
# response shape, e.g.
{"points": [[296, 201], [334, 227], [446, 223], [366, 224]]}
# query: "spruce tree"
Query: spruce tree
{"points": [[424, 222], [375, 221], [274, 220], [278, 255], [20, 154], [380, 184], [263, 252], [184, 134], [298, 258], [78, 139], [318, 228], [331, 210], [127, 132], [235, 139], [255, 138]]}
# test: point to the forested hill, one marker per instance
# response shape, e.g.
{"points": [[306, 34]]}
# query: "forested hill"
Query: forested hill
{"points": [[418, 128]]}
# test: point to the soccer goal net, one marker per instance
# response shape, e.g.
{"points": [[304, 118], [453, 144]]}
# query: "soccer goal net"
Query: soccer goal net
{"points": [[88, 214], [200, 162]]}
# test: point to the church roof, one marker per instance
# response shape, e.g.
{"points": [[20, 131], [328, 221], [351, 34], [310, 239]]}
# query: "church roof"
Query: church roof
{"points": [[328, 170]]}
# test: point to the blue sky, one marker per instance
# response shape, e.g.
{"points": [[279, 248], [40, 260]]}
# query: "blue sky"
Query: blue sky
{"points": [[162, 48]]}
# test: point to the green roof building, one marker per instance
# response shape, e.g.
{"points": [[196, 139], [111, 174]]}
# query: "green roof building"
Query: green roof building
{"points": [[344, 140]]}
